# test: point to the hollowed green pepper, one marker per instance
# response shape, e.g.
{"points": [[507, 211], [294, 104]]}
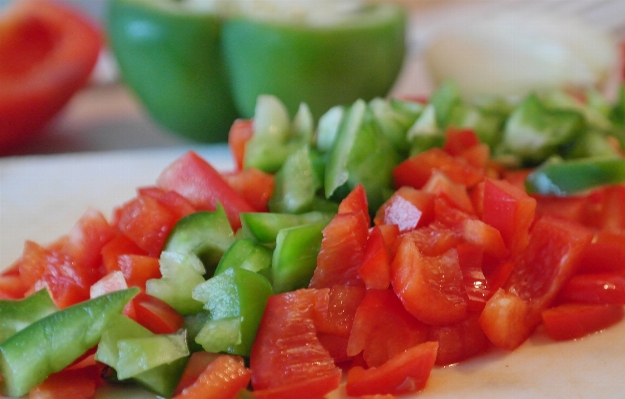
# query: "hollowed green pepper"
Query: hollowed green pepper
{"points": [[196, 67], [171, 58]]}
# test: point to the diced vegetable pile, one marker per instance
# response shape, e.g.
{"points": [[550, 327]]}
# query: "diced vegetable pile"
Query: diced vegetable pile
{"points": [[391, 237]]}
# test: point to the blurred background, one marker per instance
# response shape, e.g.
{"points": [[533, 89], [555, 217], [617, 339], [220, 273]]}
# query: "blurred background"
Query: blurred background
{"points": [[106, 116]]}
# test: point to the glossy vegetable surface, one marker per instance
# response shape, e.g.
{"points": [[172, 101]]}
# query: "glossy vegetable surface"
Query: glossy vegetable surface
{"points": [[171, 57], [320, 65], [196, 69], [457, 261]]}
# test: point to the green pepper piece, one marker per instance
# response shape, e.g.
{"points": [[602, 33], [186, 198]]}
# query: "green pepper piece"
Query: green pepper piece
{"points": [[395, 118], [15, 315], [236, 300], [124, 391], [295, 256], [204, 234], [137, 355], [444, 99], [328, 128], [617, 113], [244, 394], [249, 255], [52, 343], [264, 227], [179, 274], [487, 126], [534, 132], [326, 64], [275, 136], [193, 324], [590, 143], [425, 132], [564, 178], [296, 184], [161, 379], [360, 154], [170, 55], [592, 109]]}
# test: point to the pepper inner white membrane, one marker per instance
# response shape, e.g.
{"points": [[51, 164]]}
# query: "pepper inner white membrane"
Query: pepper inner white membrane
{"points": [[310, 12]]}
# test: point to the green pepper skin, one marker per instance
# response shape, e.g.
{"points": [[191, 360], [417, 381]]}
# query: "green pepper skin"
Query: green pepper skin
{"points": [[15, 315], [161, 379], [54, 342], [320, 65], [296, 184], [206, 234], [295, 256], [360, 154], [171, 58], [562, 178], [179, 274], [236, 300], [264, 227], [247, 254]]}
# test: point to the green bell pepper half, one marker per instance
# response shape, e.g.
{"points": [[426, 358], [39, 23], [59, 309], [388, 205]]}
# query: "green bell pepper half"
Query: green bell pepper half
{"points": [[171, 57], [321, 65], [52, 343], [196, 71]]}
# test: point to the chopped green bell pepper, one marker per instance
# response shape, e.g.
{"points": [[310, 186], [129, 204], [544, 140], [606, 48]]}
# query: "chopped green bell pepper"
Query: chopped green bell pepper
{"points": [[16, 315], [179, 274], [295, 256], [247, 254], [236, 300], [196, 67], [204, 234], [52, 343], [296, 184], [425, 133], [193, 324], [125, 346], [394, 118], [276, 137], [534, 132], [191, 253], [264, 227], [564, 178], [360, 154]]}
